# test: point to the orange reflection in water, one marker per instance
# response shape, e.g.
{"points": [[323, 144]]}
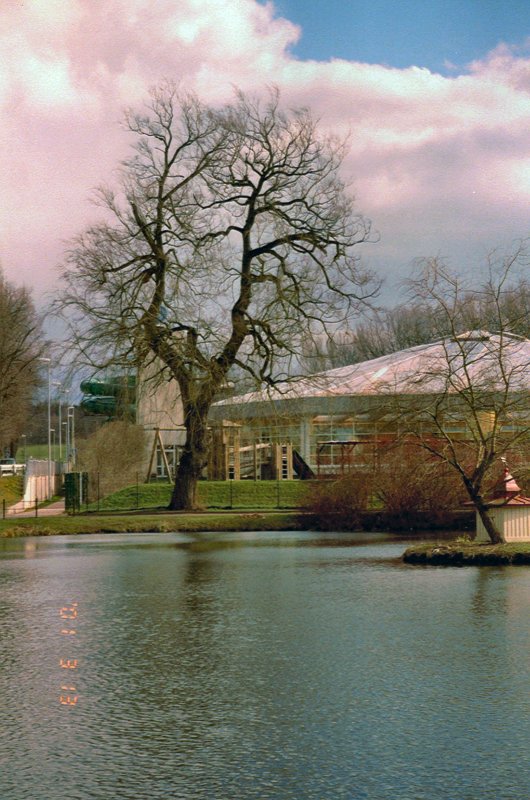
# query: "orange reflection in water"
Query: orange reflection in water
{"points": [[69, 612], [69, 698], [68, 663]]}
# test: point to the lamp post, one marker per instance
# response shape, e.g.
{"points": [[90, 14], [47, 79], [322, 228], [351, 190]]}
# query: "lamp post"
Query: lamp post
{"points": [[24, 437], [48, 361], [71, 418], [59, 386], [65, 393], [67, 444]]}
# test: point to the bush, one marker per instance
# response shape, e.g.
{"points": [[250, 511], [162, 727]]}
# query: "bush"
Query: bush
{"points": [[112, 456], [339, 504], [410, 483]]}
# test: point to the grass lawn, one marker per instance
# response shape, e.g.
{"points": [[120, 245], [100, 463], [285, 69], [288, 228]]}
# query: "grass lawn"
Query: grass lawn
{"points": [[39, 452], [212, 494], [461, 553], [165, 523], [11, 487]]}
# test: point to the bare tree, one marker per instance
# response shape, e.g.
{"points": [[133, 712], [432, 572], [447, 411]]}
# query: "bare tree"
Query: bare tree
{"points": [[21, 344], [467, 400], [230, 234], [418, 321]]}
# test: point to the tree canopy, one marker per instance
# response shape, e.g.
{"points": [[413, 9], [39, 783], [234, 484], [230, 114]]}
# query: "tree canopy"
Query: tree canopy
{"points": [[229, 236], [420, 320], [21, 345]]}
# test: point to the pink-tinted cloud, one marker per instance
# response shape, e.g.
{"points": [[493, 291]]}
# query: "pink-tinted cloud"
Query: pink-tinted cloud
{"points": [[441, 164]]}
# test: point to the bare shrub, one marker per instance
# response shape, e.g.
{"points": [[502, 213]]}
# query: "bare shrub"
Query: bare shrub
{"points": [[408, 481], [339, 504], [112, 456]]}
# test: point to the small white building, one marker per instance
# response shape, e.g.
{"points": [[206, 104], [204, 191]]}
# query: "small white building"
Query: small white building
{"points": [[509, 511]]}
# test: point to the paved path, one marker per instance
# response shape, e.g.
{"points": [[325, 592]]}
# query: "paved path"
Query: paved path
{"points": [[21, 509]]}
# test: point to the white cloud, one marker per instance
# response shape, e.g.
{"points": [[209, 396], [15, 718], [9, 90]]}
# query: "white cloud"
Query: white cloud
{"points": [[440, 163]]}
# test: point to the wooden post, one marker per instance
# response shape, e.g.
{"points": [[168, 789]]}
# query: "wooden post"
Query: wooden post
{"points": [[236, 439], [153, 451], [289, 459], [164, 456], [226, 456]]}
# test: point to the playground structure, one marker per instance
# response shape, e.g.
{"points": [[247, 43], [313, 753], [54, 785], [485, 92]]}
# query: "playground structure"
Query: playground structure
{"points": [[156, 406], [229, 458]]}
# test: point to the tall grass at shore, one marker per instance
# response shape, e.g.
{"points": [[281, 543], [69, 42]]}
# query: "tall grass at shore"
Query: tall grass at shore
{"points": [[159, 523]]}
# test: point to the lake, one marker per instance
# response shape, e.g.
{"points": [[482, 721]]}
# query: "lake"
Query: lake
{"points": [[238, 666]]}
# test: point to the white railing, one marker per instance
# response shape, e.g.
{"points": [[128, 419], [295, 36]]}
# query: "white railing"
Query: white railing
{"points": [[11, 469]]}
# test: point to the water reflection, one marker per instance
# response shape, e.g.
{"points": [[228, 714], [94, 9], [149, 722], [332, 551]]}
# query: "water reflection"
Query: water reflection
{"points": [[231, 668]]}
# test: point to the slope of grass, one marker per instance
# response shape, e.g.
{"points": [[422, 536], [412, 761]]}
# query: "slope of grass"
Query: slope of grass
{"points": [[212, 494], [11, 487]]}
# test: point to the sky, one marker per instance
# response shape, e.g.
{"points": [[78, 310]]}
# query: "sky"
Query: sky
{"points": [[434, 96]]}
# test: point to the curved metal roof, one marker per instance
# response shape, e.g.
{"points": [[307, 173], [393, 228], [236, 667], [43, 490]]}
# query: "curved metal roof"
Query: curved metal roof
{"points": [[491, 362]]}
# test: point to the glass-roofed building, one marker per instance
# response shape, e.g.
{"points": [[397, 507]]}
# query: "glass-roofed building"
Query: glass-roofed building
{"points": [[340, 416]]}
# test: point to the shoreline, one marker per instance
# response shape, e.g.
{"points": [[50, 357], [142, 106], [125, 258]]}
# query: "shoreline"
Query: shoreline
{"points": [[152, 523], [424, 553], [159, 520], [233, 520]]}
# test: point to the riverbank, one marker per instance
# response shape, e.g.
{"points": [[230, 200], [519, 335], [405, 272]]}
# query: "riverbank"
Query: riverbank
{"points": [[467, 554], [153, 523], [160, 521]]}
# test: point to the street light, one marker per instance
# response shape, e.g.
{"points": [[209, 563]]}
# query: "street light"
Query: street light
{"points": [[59, 386], [71, 418], [48, 361], [67, 443], [65, 393]]}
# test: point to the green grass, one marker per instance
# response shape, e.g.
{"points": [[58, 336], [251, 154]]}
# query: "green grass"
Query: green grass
{"points": [[463, 553], [164, 523], [11, 487], [39, 452], [212, 494]]}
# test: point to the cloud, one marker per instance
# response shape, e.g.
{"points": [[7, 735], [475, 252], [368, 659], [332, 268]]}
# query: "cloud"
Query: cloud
{"points": [[439, 163]]}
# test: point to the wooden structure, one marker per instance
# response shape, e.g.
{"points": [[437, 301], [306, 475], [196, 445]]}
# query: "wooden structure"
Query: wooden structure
{"points": [[229, 460], [163, 456], [509, 510]]}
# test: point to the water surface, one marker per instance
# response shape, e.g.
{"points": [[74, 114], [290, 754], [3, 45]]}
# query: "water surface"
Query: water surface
{"points": [[259, 666]]}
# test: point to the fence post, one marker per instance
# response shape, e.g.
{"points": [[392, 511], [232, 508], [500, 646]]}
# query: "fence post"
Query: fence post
{"points": [[3, 509], [98, 491], [137, 493], [231, 493], [36, 506], [278, 492]]}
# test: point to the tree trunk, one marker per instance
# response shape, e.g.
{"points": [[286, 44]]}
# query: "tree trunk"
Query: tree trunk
{"points": [[487, 521], [192, 462], [481, 508]]}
